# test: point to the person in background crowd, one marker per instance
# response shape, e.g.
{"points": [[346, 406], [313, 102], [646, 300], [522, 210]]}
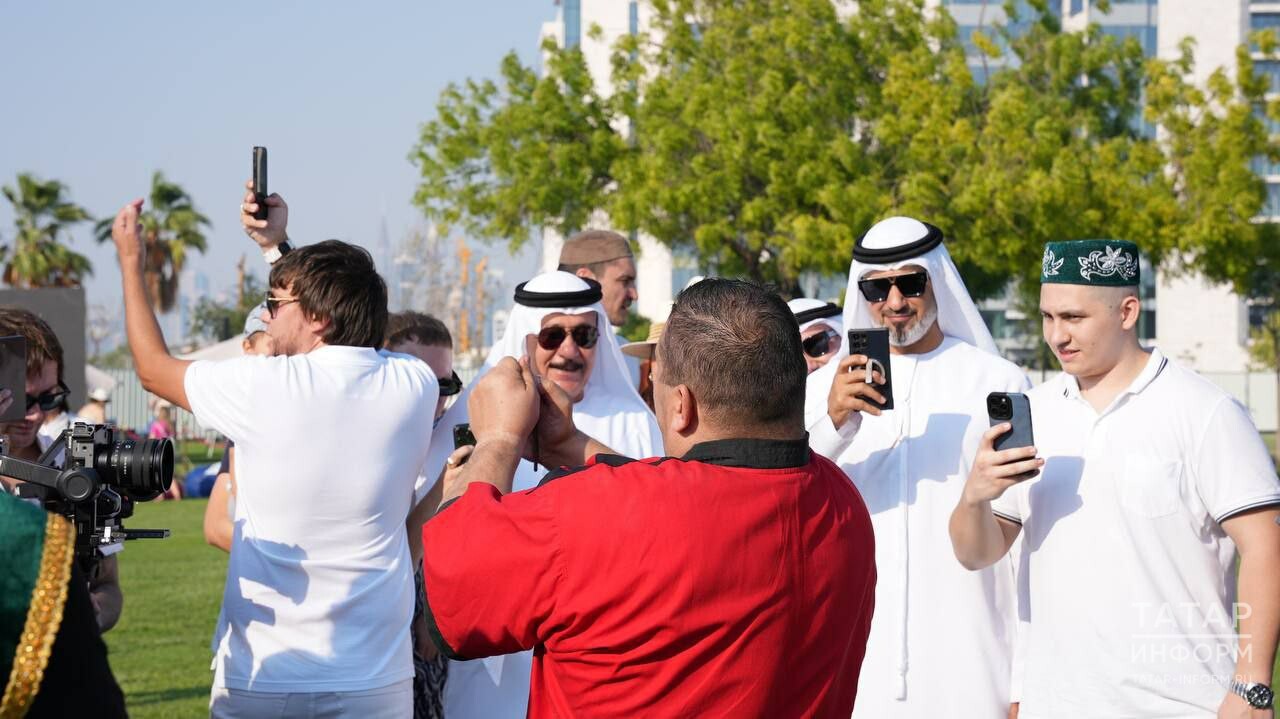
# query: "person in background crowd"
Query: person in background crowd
{"points": [[95, 410], [45, 390], [218, 513], [1144, 481], [821, 330], [643, 351], [427, 338], [161, 426], [605, 257], [939, 631], [735, 580]]}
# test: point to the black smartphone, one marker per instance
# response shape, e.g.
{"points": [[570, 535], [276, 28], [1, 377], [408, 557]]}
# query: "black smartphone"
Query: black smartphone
{"points": [[462, 435], [874, 343], [1014, 408], [260, 182], [13, 376]]}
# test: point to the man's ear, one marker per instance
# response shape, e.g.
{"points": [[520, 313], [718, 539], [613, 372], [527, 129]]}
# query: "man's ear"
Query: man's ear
{"points": [[319, 327], [1130, 311], [586, 274], [684, 410]]}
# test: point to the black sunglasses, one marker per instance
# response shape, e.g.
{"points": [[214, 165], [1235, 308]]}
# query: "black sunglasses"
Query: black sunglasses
{"points": [[910, 285], [450, 385], [552, 337], [274, 304], [50, 400], [820, 345]]}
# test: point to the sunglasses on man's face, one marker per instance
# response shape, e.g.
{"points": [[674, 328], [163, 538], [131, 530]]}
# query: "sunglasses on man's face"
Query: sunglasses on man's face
{"points": [[552, 336], [910, 285], [275, 303], [49, 400], [821, 344], [450, 385]]}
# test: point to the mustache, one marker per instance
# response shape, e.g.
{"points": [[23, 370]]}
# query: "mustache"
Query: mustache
{"points": [[903, 313], [567, 365]]}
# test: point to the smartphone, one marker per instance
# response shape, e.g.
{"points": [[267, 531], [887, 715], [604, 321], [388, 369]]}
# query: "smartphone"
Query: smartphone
{"points": [[260, 182], [874, 343], [13, 376], [462, 435], [1014, 408]]}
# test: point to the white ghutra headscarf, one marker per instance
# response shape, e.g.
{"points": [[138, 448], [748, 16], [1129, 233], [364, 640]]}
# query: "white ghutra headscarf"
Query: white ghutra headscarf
{"points": [[611, 411], [890, 245]]}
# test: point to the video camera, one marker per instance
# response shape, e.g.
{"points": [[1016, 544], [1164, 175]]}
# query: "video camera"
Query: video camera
{"points": [[103, 472]]}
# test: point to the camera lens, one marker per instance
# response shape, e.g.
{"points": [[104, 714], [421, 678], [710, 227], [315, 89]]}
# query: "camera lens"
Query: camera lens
{"points": [[141, 469]]}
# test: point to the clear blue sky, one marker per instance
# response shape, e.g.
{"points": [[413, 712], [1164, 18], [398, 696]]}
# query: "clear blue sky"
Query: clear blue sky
{"points": [[99, 95]]}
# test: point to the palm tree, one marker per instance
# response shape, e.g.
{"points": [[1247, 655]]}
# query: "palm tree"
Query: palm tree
{"points": [[171, 227], [39, 256]]}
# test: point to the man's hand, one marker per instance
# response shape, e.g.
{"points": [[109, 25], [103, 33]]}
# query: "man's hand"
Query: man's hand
{"points": [[269, 232], [504, 403], [1235, 707], [556, 432], [850, 392], [127, 237], [994, 472]]}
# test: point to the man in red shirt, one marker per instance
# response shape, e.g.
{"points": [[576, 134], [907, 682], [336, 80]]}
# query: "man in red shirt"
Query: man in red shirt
{"points": [[735, 580]]}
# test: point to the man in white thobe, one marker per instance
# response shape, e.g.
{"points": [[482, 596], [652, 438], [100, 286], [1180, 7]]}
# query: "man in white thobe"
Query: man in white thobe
{"points": [[942, 638], [550, 318]]}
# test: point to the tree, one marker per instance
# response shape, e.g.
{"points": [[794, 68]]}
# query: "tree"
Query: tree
{"points": [[766, 135], [220, 320], [171, 227], [39, 255]]}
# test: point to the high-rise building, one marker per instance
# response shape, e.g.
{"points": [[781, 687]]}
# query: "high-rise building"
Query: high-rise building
{"points": [[1203, 325]]}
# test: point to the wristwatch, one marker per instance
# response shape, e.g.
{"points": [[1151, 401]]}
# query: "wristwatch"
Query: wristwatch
{"points": [[1258, 695], [277, 252]]}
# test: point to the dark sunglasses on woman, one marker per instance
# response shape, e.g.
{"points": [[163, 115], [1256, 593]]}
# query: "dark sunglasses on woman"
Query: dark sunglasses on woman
{"points": [[821, 344], [910, 285], [552, 336]]}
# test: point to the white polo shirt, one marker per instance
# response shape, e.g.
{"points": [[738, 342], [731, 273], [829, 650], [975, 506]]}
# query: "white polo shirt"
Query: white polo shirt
{"points": [[1132, 580], [319, 588]]}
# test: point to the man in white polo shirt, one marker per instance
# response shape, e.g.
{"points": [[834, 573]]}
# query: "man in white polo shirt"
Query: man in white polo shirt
{"points": [[1144, 482], [330, 436]]}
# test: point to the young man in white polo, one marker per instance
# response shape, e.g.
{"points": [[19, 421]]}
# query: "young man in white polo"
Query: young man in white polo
{"points": [[330, 436], [1144, 482]]}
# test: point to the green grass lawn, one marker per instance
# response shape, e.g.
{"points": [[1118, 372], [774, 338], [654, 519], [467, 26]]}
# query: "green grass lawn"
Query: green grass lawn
{"points": [[172, 591], [172, 588]]}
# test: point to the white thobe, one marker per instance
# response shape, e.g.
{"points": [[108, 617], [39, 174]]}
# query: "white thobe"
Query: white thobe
{"points": [[942, 637]]}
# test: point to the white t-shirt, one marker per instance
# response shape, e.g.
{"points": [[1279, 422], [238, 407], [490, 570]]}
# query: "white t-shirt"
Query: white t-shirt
{"points": [[1132, 580], [319, 588], [941, 642]]}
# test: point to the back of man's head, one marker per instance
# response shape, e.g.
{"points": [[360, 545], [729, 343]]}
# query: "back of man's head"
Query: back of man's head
{"points": [[42, 344], [736, 346], [423, 329], [337, 282]]}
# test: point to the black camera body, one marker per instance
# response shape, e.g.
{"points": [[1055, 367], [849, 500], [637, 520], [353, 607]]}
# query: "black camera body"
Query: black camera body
{"points": [[102, 473]]}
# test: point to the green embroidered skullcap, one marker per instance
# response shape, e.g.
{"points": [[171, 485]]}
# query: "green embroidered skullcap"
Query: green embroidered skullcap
{"points": [[1103, 263]]}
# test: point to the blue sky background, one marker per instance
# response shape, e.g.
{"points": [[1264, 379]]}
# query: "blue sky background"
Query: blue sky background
{"points": [[99, 95]]}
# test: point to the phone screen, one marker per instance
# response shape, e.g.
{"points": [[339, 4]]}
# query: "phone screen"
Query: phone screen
{"points": [[13, 375]]}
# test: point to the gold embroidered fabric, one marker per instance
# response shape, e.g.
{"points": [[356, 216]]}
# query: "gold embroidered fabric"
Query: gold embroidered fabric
{"points": [[44, 616]]}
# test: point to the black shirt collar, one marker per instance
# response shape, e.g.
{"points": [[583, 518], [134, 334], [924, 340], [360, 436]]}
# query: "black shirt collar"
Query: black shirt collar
{"points": [[752, 453]]}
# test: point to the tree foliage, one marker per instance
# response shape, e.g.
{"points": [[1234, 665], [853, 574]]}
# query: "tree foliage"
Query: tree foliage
{"points": [[766, 135], [38, 254], [171, 228], [220, 320]]}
